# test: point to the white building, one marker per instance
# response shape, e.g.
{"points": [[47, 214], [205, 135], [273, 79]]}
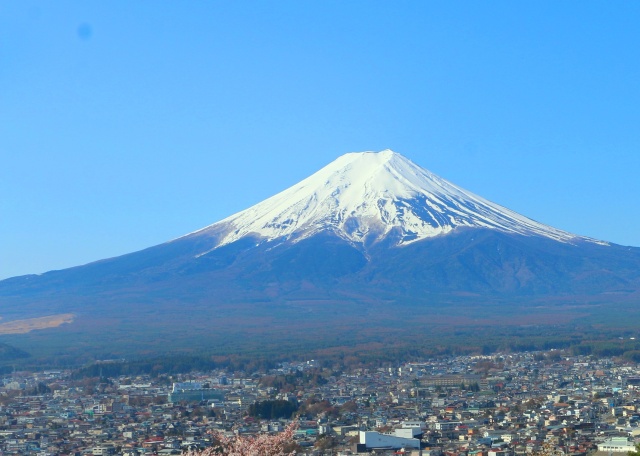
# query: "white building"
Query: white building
{"points": [[616, 445], [372, 439]]}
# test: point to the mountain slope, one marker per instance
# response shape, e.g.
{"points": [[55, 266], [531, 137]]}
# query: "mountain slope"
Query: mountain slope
{"points": [[369, 238]]}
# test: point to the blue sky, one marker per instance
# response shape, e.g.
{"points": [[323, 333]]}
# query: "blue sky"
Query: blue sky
{"points": [[126, 124]]}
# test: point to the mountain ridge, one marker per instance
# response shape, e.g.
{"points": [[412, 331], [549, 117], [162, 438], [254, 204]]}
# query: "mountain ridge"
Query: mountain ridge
{"points": [[363, 196]]}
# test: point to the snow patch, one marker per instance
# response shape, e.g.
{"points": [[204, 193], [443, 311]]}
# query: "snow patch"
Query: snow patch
{"points": [[365, 193]]}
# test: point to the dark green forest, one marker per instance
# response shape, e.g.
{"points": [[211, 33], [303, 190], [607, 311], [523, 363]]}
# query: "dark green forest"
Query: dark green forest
{"points": [[345, 351]]}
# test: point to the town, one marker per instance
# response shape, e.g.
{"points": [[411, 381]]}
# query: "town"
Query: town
{"points": [[497, 405]]}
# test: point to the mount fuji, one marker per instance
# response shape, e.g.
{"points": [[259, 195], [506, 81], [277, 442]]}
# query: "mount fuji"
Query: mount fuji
{"points": [[371, 238]]}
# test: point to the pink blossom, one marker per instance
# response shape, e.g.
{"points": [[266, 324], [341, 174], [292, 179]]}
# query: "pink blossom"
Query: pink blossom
{"points": [[261, 445]]}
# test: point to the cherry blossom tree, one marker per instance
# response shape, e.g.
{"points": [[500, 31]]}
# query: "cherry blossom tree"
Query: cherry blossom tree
{"points": [[261, 445]]}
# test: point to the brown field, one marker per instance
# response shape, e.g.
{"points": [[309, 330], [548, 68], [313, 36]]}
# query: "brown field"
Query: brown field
{"points": [[32, 324]]}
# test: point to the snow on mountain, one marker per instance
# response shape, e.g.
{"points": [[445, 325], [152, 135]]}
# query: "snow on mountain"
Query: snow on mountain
{"points": [[364, 196]]}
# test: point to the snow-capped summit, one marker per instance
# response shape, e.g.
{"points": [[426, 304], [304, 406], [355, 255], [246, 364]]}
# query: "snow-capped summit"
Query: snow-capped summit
{"points": [[363, 197]]}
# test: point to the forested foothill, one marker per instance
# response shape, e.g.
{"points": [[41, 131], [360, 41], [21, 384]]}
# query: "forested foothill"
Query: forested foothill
{"points": [[345, 351]]}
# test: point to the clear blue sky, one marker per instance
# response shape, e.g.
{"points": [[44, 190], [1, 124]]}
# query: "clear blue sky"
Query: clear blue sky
{"points": [[126, 124]]}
